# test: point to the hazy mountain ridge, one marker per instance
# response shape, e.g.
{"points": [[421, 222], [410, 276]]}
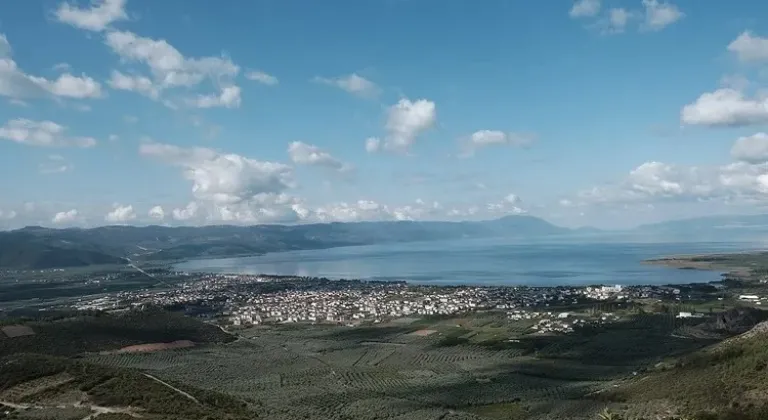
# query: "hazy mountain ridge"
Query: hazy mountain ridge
{"points": [[33, 247], [40, 247]]}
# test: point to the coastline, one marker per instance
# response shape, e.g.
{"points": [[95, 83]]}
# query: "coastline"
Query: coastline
{"points": [[738, 264]]}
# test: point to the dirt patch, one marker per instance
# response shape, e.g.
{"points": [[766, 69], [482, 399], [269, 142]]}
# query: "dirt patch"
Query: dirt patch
{"points": [[423, 333], [13, 331], [145, 348]]}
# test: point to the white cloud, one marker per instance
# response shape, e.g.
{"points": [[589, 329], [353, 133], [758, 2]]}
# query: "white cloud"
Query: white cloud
{"points": [[70, 86], [372, 144], [616, 22], [139, 84], [120, 214], [64, 217], [485, 138], [157, 213], [42, 133], [657, 181], [186, 213], [229, 97], [8, 215], [585, 8], [307, 154], [55, 164], [406, 120], [261, 77], [95, 18], [725, 107], [352, 83], [659, 15], [510, 204], [171, 69], [223, 178], [15, 83], [751, 149], [750, 48]]}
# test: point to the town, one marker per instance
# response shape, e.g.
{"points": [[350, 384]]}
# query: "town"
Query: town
{"points": [[240, 300]]}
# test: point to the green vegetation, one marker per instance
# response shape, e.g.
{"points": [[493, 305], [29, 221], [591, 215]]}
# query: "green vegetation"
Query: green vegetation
{"points": [[101, 388], [71, 334]]}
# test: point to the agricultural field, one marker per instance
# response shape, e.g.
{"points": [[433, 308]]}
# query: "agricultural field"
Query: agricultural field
{"points": [[473, 366], [483, 367]]}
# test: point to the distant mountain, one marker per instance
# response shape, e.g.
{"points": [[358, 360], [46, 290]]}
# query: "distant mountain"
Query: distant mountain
{"points": [[22, 250], [739, 227], [39, 247]]}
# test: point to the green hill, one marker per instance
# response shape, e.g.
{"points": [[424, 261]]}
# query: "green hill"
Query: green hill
{"points": [[727, 380]]}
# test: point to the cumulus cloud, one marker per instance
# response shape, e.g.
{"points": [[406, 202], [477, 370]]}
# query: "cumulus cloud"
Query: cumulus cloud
{"points": [[17, 84], [171, 69], [659, 14], [352, 83], [120, 214], [8, 214], [261, 77], [230, 187], [372, 144], [185, 213], [585, 8], [64, 217], [406, 120], [510, 204], [42, 133], [749, 47], [745, 179], [307, 154], [616, 21], [138, 84], [751, 149], [229, 97], [725, 107], [157, 213], [487, 138], [55, 164], [97, 17], [369, 210]]}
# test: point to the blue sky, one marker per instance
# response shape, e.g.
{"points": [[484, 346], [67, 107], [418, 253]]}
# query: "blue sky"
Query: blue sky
{"points": [[609, 113]]}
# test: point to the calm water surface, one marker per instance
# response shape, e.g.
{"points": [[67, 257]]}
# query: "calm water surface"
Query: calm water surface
{"points": [[484, 262]]}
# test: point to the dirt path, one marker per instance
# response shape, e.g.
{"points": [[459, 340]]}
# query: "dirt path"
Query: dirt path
{"points": [[186, 394]]}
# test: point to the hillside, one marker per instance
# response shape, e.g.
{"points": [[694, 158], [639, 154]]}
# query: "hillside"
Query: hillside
{"points": [[726, 380], [38, 247], [23, 250]]}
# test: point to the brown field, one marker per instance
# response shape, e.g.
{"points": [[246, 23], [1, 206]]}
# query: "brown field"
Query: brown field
{"points": [[17, 331], [423, 333], [144, 348]]}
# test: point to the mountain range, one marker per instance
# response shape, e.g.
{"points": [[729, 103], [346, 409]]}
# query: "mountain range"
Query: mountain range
{"points": [[39, 247]]}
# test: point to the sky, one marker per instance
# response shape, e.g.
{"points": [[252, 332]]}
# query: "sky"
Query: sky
{"points": [[606, 113]]}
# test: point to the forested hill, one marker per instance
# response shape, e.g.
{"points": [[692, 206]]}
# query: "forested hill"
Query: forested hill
{"points": [[38, 247]]}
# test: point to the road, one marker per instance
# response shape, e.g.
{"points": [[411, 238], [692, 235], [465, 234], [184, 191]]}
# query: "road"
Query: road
{"points": [[186, 394]]}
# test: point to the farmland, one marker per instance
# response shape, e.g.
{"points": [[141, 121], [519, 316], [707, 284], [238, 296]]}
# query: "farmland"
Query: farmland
{"points": [[478, 366]]}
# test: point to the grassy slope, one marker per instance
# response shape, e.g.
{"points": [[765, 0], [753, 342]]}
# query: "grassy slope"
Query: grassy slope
{"points": [[726, 380]]}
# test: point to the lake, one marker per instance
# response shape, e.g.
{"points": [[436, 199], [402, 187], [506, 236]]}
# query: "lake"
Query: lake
{"points": [[544, 262]]}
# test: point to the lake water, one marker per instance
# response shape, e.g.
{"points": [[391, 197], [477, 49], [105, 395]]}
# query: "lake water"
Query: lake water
{"points": [[484, 262]]}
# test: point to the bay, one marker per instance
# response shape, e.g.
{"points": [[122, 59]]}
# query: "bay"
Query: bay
{"points": [[543, 262]]}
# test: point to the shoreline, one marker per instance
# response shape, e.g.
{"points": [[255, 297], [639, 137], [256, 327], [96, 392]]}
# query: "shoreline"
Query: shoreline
{"points": [[737, 264]]}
